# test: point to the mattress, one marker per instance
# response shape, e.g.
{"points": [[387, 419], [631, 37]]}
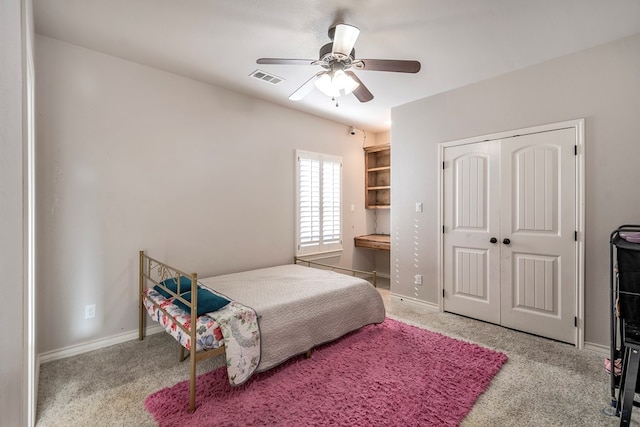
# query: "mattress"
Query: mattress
{"points": [[300, 307]]}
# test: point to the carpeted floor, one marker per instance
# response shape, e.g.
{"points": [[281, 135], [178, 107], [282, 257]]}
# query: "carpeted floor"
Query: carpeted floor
{"points": [[544, 383]]}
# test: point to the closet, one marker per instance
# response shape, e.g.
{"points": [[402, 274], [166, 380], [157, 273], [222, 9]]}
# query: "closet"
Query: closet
{"points": [[510, 221]]}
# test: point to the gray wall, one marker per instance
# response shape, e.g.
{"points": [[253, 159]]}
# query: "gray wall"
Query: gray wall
{"points": [[601, 84], [130, 157]]}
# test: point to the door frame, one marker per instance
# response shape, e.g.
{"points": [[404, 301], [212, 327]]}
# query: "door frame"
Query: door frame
{"points": [[578, 126]]}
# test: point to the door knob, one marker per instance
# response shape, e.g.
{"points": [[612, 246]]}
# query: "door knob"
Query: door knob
{"points": [[493, 240], [506, 241]]}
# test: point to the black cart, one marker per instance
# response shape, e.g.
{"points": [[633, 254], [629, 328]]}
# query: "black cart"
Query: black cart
{"points": [[625, 319]]}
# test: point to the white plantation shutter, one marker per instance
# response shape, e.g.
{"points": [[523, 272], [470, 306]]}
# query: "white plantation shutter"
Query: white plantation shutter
{"points": [[309, 206], [319, 203], [331, 202]]}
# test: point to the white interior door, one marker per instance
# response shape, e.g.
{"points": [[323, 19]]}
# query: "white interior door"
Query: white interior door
{"points": [[472, 219], [509, 215], [538, 266]]}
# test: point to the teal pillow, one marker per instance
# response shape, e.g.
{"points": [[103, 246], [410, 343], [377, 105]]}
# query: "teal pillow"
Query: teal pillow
{"points": [[207, 302], [172, 285]]}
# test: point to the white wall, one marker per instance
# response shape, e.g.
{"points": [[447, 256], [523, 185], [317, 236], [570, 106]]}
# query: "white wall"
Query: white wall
{"points": [[601, 84], [130, 158]]}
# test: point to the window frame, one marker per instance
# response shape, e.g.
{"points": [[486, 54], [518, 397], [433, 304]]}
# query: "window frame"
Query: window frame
{"points": [[321, 245]]}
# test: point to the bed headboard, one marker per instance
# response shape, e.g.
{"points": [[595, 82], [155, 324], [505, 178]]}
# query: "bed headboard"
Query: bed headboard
{"points": [[345, 270]]}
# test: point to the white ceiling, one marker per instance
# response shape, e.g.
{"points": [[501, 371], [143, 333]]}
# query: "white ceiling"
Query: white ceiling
{"points": [[458, 42]]}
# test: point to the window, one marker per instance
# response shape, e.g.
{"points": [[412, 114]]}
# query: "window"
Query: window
{"points": [[318, 203]]}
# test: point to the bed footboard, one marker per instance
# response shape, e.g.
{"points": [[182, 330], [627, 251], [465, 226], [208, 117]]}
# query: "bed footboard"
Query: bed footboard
{"points": [[154, 273]]}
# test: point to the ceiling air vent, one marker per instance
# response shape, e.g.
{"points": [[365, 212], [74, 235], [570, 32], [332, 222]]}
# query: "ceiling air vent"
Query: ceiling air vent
{"points": [[266, 77]]}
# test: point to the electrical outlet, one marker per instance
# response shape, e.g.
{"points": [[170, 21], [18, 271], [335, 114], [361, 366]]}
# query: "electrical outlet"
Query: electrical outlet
{"points": [[89, 311], [418, 279], [418, 207]]}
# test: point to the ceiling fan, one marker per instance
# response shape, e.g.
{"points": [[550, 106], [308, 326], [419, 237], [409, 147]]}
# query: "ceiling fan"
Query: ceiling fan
{"points": [[337, 59]]}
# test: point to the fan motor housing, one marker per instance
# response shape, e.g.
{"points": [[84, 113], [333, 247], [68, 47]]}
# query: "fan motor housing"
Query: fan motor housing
{"points": [[327, 56]]}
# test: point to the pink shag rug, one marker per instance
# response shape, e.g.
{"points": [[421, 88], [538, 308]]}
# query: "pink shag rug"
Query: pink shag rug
{"points": [[391, 374]]}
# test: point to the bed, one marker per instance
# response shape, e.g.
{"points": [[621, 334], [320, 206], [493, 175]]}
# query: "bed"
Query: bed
{"points": [[258, 318]]}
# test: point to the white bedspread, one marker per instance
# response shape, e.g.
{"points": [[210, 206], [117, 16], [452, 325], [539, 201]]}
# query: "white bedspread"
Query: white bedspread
{"points": [[300, 307]]}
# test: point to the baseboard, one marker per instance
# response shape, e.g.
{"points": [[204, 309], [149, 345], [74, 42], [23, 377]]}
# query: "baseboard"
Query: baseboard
{"points": [[423, 304], [597, 348], [74, 350]]}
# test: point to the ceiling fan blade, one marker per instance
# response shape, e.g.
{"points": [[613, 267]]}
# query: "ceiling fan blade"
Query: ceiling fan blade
{"points": [[361, 92], [344, 38], [393, 65], [284, 61], [305, 89]]}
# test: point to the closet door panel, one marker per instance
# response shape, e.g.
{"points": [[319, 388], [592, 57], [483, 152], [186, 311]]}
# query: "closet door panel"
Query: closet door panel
{"points": [[538, 274], [471, 212]]}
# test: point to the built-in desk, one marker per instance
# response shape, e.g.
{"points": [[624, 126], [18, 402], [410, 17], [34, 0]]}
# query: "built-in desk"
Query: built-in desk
{"points": [[381, 242]]}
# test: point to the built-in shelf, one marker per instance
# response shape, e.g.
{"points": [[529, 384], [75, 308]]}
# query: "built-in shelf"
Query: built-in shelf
{"points": [[377, 163], [383, 168]]}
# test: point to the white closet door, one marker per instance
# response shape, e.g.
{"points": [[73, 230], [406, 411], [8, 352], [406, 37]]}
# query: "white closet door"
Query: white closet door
{"points": [[471, 219], [521, 191], [538, 266]]}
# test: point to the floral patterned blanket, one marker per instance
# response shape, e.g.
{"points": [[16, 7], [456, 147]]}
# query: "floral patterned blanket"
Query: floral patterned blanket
{"points": [[235, 326], [241, 333]]}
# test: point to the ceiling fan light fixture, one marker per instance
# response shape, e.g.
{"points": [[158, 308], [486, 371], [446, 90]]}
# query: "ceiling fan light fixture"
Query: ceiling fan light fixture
{"points": [[337, 59], [323, 83], [344, 83], [336, 83]]}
